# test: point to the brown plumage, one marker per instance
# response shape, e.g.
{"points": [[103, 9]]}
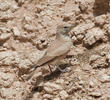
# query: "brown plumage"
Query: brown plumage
{"points": [[57, 49]]}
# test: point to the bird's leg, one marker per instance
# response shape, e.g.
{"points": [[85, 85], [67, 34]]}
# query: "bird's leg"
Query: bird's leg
{"points": [[62, 70], [50, 68]]}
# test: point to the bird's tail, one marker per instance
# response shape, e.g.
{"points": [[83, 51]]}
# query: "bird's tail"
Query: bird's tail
{"points": [[32, 72]]}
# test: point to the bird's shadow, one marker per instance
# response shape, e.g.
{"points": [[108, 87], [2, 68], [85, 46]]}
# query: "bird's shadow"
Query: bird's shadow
{"points": [[56, 73]]}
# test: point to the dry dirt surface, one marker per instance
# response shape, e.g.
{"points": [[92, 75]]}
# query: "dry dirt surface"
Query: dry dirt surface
{"points": [[27, 27]]}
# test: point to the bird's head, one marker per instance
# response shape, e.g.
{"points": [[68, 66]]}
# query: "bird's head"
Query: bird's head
{"points": [[64, 29]]}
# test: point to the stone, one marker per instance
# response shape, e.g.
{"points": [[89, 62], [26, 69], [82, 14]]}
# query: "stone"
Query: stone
{"points": [[48, 90], [8, 58], [107, 28], [96, 94], [83, 27], [36, 96], [7, 92], [36, 79], [97, 61], [50, 87], [16, 31], [105, 78], [94, 58], [5, 36], [108, 58], [6, 16], [57, 98], [41, 43], [83, 7], [92, 36], [20, 2], [5, 5], [6, 80], [64, 95], [100, 20], [24, 64], [14, 8], [47, 96]]}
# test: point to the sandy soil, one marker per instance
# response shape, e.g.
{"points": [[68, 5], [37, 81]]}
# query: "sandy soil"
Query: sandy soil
{"points": [[27, 27]]}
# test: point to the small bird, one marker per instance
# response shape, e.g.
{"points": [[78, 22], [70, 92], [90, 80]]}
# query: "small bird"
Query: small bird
{"points": [[57, 50]]}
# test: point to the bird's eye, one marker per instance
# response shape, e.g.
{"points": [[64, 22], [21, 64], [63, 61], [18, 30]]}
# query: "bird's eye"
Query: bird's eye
{"points": [[65, 27]]}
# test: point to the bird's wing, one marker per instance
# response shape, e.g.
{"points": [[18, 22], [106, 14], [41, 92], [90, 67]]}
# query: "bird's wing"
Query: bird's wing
{"points": [[57, 48]]}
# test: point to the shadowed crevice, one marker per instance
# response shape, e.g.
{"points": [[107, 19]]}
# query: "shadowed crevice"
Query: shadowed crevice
{"points": [[101, 7]]}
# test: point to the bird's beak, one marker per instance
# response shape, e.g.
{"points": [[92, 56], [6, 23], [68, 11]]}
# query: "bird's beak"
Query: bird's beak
{"points": [[72, 26]]}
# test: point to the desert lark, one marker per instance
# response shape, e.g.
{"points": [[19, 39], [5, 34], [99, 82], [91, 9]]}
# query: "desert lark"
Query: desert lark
{"points": [[57, 50]]}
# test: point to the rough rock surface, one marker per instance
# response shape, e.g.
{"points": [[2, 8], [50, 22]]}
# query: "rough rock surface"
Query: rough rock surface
{"points": [[27, 27]]}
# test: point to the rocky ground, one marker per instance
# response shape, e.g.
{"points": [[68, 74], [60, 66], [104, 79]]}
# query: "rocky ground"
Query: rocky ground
{"points": [[27, 27]]}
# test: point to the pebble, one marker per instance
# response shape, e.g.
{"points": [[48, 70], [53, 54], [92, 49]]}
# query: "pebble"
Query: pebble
{"points": [[108, 58], [16, 31], [57, 98], [50, 87], [5, 36], [92, 36], [47, 96], [95, 94], [5, 5], [63, 94], [105, 78], [100, 20]]}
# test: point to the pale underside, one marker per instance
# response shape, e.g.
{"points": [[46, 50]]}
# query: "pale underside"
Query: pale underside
{"points": [[56, 51]]}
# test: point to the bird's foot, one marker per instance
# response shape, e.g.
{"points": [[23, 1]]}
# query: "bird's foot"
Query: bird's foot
{"points": [[60, 69]]}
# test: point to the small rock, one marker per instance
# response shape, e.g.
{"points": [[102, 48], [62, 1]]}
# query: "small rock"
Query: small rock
{"points": [[94, 58], [41, 43], [91, 83], [5, 5], [74, 89], [105, 78], [28, 27], [36, 79], [7, 93], [83, 7], [27, 18], [5, 16], [3, 93], [108, 58], [16, 31], [100, 20], [95, 94], [97, 61], [92, 36], [50, 87], [74, 39], [83, 27], [80, 37], [107, 28], [64, 95], [36, 96], [74, 62], [6, 79], [47, 96], [39, 8], [20, 2], [17, 85], [5, 36], [57, 98], [14, 8], [60, 81], [48, 90]]}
